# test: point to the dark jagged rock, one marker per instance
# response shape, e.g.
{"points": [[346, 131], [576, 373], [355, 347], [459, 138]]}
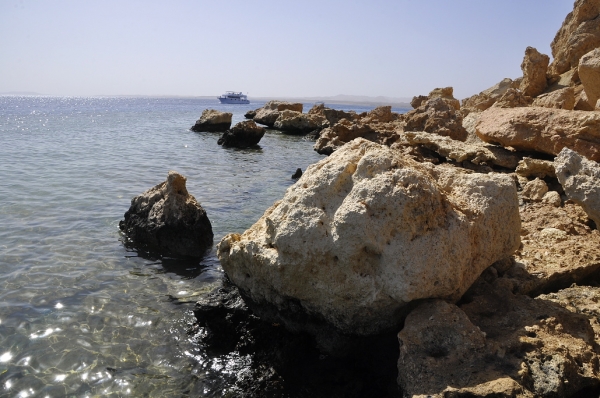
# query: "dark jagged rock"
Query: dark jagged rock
{"points": [[213, 121], [250, 114], [297, 174], [168, 220], [273, 362], [243, 135]]}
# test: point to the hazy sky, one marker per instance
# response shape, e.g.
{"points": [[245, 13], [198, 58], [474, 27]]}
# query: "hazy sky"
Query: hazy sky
{"points": [[295, 48]]}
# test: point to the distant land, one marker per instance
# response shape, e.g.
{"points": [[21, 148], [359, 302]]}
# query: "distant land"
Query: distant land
{"points": [[403, 102], [20, 93]]}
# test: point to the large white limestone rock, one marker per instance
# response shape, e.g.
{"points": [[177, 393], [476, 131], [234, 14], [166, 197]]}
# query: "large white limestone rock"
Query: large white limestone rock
{"points": [[366, 231]]}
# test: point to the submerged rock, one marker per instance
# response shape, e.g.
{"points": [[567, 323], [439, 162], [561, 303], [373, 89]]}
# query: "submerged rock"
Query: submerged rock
{"points": [[213, 121], [243, 135], [542, 130], [580, 178], [168, 220], [366, 232]]}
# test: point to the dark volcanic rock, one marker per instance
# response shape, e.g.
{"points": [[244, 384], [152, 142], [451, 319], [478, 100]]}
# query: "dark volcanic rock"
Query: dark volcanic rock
{"points": [[270, 361], [297, 174], [213, 121], [242, 135], [168, 220], [250, 114]]}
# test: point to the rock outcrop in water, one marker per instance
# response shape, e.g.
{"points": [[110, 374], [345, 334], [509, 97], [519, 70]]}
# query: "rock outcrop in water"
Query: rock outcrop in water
{"points": [[168, 220], [243, 135], [269, 113], [366, 232], [213, 121]]}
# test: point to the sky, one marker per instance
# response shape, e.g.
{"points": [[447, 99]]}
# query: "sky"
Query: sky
{"points": [[301, 48]]}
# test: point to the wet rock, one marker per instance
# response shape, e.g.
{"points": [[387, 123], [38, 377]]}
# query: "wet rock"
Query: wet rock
{"points": [[558, 248], [250, 114], [487, 98], [496, 344], [589, 73], [168, 220], [269, 113], [534, 67], [367, 231], [535, 190], [297, 174], [461, 151], [213, 121], [580, 178], [266, 360], [243, 135], [578, 35], [438, 116], [542, 130], [559, 99], [531, 167]]}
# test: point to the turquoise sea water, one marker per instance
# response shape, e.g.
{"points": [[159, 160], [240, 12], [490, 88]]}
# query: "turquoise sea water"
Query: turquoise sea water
{"points": [[81, 315]]}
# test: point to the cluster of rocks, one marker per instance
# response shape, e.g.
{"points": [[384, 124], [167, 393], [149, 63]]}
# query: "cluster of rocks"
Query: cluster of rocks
{"points": [[469, 231], [243, 135]]}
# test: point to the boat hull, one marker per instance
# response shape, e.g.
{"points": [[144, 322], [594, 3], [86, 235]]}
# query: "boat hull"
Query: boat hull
{"points": [[233, 100]]}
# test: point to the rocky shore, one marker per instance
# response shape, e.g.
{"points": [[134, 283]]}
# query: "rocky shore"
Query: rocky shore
{"points": [[452, 251]]}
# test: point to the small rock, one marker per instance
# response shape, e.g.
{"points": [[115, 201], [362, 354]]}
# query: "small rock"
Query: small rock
{"points": [[535, 190], [552, 198], [530, 167], [297, 174], [213, 121]]}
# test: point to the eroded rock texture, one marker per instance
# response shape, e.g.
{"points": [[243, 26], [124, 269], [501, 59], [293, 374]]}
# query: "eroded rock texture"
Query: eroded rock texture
{"points": [[367, 231], [168, 220], [243, 135], [213, 121]]}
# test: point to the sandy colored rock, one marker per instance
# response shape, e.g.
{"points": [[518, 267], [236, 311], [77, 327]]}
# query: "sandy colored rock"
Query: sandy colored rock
{"points": [[534, 67], [332, 115], [535, 190], [512, 98], [269, 113], [446, 93], [213, 121], [580, 300], [168, 220], [531, 167], [579, 34], [552, 198], [558, 248], [558, 99], [496, 344], [293, 122], [436, 116], [589, 73], [542, 129], [580, 178], [366, 231], [487, 98], [461, 151], [243, 135], [469, 122], [333, 138], [418, 100]]}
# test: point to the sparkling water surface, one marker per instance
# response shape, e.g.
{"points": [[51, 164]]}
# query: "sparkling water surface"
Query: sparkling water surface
{"points": [[80, 314]]}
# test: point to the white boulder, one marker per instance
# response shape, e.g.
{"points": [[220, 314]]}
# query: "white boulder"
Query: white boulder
{"points": [[366, 231]]}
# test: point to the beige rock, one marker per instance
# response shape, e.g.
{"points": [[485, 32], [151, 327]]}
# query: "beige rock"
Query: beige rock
{"points": [[552, 198], [460, 151], [436, 116], [580, 178], [213, 121], [447, 93], [535, 190], [332, 115], [559, 99], [530, 167], [496, 344], [299, 123], [381, 114], [512, 98], [542, 129], [589, 73], [487, 98], [332, 138], [581, 100], [469, 122], [579, 34], [418, 101], [366, 231], [534, 67], [269, 113], [558, 248]]}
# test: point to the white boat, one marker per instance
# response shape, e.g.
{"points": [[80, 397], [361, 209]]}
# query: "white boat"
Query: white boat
{"points": [[231, 97]]}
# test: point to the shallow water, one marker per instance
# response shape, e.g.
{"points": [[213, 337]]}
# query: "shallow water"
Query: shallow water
{"points": [[81, 315]]}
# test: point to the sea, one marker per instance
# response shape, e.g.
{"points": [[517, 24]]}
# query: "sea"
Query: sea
{"points": [[81, 314]]}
